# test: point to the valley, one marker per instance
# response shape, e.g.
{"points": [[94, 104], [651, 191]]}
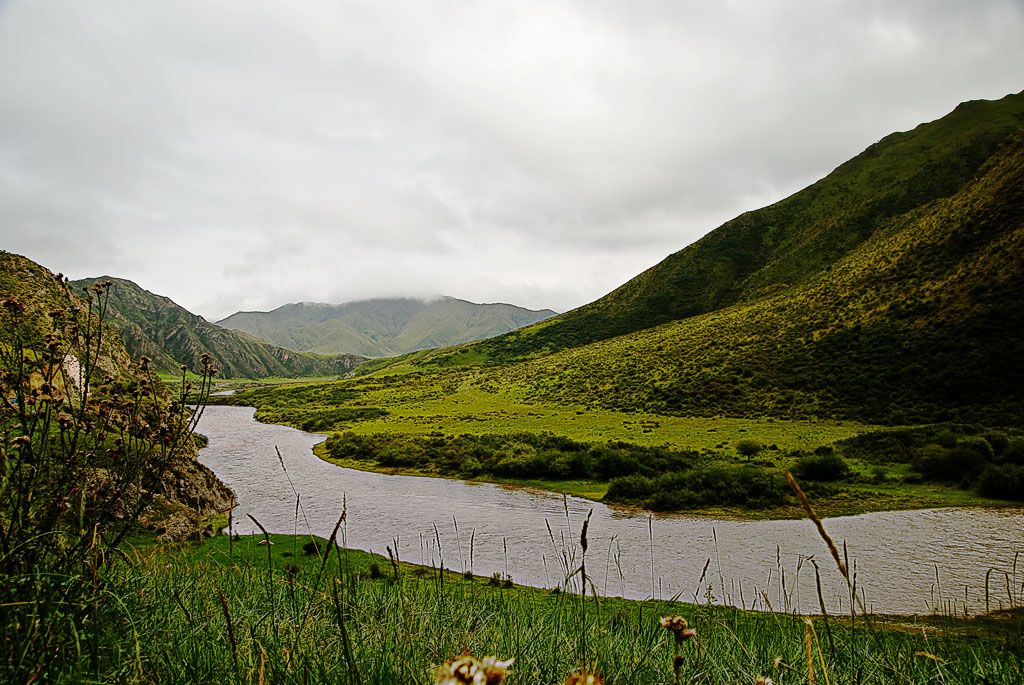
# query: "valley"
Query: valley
{"points": [[854, 352]]}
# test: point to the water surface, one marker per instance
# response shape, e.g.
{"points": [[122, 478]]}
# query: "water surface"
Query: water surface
{"points": [[904, 561]]}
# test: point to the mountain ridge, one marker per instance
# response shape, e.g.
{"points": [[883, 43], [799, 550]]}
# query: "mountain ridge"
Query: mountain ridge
{"points": [[763, 251], [917, 317], [382, 326], [155, 326]]}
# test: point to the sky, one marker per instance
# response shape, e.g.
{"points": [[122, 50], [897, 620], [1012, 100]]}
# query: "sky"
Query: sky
{"points": [[239, 155]]}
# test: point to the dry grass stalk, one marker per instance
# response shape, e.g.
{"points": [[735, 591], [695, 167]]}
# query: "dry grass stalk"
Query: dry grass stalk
{"points": [[231, 628], [833, 550], [809, 651], [806, 504]]}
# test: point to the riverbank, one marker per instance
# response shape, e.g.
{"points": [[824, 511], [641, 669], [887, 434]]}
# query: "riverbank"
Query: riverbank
{"points": [[847, 500], [872, 481], [515, 530], [237, 610]]}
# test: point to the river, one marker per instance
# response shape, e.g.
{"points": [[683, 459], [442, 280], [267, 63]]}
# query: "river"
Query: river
{"points": [[904, 562]]}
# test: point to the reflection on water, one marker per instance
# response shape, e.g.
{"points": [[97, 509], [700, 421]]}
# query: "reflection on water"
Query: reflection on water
{"points": [[903, 562]]}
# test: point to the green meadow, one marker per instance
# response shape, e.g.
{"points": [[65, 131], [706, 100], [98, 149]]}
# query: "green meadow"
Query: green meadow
{"points": [[445, 423], [298, 611]]}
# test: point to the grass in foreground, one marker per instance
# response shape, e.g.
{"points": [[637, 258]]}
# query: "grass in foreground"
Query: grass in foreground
{"points": [[234, 612]]}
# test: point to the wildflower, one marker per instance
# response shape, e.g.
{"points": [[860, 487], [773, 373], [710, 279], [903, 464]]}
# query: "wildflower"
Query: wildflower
{"points": [[682, 632], [762, 680], [780, 662], [583, 678], [468, 670], [679, 627]]}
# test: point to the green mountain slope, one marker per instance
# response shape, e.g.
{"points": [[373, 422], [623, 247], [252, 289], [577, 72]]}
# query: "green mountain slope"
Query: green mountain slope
{"points": [[764, 252], [922, 321], [382, 327], [891, 291], [154, 326]]}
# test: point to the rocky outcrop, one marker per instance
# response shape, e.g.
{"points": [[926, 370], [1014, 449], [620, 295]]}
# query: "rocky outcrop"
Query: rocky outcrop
{"points": [[190, 495]]}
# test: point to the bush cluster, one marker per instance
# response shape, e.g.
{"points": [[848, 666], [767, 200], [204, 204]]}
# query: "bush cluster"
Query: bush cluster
{"points": [[987, 460], [514, 455], [823, 465], [750, 487], [657, 478]]}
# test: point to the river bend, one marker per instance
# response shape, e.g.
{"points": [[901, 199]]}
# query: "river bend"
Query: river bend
{"points": [[904, 561]]}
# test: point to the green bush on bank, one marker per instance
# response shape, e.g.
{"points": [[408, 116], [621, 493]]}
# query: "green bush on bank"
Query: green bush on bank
{"points": [[963, 455], [823, 465], [749, 487], [515, 455]]}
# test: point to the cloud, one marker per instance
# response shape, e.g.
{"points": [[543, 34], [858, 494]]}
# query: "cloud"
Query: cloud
{"points": [[239, 154]]}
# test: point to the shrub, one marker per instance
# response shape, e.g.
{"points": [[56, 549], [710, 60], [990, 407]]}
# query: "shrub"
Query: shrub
{"points": [[998, 441], [742, 486], [821, 466], [748, 448], [1014, 454], [750, 487], [471, 467], [672, 500], [961, 463], [1005, 481], [633, 488], [611, 463]]}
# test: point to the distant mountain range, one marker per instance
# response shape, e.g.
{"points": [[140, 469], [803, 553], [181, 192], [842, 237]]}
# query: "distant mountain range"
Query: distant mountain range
{"points": [[382, 327], [154, 326], [293, 340], [892, 290]]}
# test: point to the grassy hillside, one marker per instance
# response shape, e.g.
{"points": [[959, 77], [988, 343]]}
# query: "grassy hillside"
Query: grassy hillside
{"points": [[170, 335], [772, 250], [889, 292], [382, 327], [923, 321]]}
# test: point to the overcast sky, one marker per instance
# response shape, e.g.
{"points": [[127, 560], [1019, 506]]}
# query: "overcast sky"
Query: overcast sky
{"points": [[240, 155]]}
